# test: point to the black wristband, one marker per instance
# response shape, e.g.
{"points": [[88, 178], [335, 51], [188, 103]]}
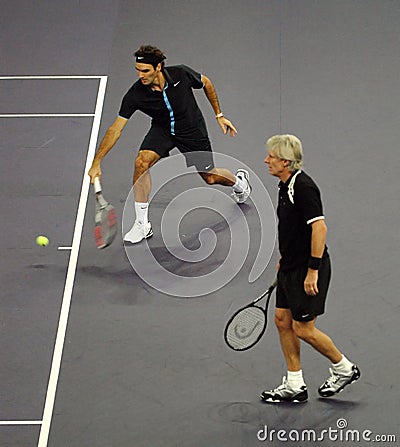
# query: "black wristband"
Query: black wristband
{"points": [[314, 263]]}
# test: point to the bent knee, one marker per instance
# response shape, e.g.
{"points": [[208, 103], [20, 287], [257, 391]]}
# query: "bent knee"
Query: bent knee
{"points": [[208, 178], [143, 162], [304, 330], [283, 319]]}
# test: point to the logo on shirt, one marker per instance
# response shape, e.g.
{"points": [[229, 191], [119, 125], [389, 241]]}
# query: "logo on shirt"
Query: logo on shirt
{"points": [[176, 83]]}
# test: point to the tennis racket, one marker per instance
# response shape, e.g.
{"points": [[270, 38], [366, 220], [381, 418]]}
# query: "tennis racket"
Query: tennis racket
{"points": [[105, 220], [246, 327]]}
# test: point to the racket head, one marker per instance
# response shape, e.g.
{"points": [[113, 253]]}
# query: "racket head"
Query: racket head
{"points": [[245, 328], [105, 228]]}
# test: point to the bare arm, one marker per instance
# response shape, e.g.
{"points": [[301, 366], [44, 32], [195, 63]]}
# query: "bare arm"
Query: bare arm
{"points": [[212, 97], [107, 143], [318, 240]]}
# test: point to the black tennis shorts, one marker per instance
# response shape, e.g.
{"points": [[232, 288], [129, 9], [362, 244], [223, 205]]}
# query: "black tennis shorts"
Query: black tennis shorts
{"points": [[195, 146], [290, 292]]}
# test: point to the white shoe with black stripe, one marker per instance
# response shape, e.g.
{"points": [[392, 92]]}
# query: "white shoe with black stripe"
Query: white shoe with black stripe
{"points": [[337, 382], [285, 393], [241, 197], [138, 232]]}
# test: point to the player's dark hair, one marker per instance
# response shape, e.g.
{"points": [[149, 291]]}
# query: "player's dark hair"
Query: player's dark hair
{"points": [[149, 54]]}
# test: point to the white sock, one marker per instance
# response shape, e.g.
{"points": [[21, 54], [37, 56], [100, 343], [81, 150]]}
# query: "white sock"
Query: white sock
{"points": [[239, 185], [142, 212], [295, 379], [343, 367]]}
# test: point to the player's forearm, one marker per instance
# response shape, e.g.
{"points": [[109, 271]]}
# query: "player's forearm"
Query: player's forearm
{"points": [[318, 238], [107, 143], [211, 95]]}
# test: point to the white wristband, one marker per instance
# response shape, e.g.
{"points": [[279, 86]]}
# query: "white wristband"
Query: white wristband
{"points": [[220, 115]]}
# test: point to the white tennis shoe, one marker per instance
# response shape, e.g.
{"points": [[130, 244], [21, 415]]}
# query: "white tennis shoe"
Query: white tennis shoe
{"points": [[285, 393], [336, 382], [138, 232], [241, 197]]}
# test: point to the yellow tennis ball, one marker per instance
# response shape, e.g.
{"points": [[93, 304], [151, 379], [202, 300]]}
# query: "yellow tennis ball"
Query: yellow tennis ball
{"points": [[43, 241]]}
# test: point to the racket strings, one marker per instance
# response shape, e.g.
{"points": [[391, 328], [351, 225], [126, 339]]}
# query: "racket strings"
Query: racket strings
{"points": [[246, 328], [105, 226], [105, 219], [109, 217]]}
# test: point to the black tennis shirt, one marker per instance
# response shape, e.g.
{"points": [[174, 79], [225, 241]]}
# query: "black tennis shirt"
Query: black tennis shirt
{"points": [[299, 205], [175, 108]]}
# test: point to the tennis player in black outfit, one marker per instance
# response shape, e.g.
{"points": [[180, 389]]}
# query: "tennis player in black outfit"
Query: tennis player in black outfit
{"points": [[166, 95], [304, 273]]}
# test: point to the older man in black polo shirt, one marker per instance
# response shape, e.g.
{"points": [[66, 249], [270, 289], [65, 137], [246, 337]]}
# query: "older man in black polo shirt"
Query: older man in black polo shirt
{"points": [[166, 95], [304, 272]]}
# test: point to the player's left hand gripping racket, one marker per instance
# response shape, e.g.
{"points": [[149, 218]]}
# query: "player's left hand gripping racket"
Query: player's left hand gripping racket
{"points": [[246, 327], [105, 219]]}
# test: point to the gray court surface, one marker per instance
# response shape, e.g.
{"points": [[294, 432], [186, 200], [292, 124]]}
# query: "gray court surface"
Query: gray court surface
{"points": [[94, 356]]}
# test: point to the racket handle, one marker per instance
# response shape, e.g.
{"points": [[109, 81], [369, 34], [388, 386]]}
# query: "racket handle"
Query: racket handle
{"points": [[268, 291], [97, 185]]}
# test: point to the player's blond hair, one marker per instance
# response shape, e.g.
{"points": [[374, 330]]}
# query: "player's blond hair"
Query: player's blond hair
{"points": [[287, 147]]}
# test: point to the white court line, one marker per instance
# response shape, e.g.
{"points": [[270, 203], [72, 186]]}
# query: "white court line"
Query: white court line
{"points": [[52, 77], [64, 248], [69, 282], [47, 115], [20, 422]]}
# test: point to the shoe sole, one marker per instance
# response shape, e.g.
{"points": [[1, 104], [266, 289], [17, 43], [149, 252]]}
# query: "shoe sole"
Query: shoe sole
{"points": [[356, 376], [283, 401], [299, 400]]}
